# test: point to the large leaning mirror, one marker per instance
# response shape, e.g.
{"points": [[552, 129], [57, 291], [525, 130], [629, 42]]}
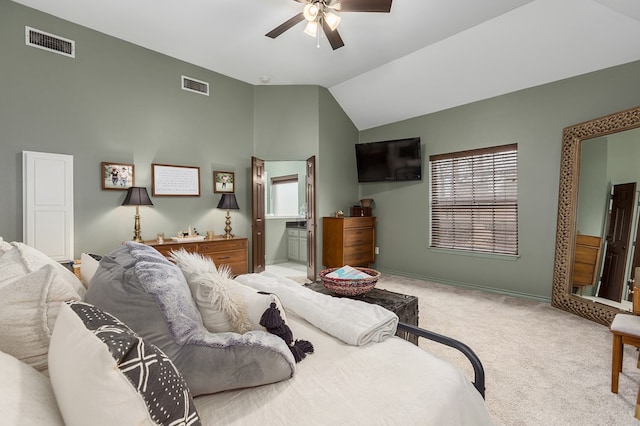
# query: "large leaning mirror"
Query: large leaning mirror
{"points": [[594, 257]]}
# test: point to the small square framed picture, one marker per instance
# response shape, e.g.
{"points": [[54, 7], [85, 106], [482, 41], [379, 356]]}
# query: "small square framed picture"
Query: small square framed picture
{"points": [[117, 175], [223, 182]]}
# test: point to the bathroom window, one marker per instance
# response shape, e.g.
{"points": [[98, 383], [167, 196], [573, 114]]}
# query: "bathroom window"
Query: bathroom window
{"points": [[474, 200], [284, 195]]}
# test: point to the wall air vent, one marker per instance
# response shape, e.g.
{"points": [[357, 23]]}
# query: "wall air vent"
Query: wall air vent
{"points": [[193, 85], [50, 42]]}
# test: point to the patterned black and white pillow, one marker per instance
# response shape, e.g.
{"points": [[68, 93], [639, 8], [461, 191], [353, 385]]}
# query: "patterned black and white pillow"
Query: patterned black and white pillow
{"points": [[104, 373]]}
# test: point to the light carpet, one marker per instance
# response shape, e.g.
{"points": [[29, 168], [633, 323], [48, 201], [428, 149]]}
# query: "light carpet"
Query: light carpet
{"points": [[543, 366]]}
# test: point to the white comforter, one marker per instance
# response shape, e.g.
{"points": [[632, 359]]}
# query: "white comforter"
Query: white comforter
{"points": [[389, 383]]}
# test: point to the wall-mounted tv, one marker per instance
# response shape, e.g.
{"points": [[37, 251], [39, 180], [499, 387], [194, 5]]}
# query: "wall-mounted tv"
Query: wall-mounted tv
{"points": [[387, 161]]}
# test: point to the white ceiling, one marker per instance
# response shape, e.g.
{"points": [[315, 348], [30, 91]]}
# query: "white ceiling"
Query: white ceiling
{"points": [[424, 56]]}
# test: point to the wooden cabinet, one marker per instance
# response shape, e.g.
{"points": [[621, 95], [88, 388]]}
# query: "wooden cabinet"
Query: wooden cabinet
{"points": [[302, 253], [586, 261], [348, 241], [293, 244], [232, 252], [297, 244]]}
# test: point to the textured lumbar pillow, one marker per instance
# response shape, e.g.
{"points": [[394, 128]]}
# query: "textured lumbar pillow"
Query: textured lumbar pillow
{"points": [[103, 373], [150, 294], [222, 306]]}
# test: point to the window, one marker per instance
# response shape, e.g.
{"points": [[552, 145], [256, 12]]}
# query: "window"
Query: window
{"points": [[474, 200], [284, 194]]}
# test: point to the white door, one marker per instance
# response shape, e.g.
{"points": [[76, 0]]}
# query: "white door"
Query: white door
{"points": [[47, 198]]}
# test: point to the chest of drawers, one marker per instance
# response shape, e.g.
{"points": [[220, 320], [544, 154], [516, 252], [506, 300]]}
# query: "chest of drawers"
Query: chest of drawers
{"points": [[348, 241], [232, 252]]}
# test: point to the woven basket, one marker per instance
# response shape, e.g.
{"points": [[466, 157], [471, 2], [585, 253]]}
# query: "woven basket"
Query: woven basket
{"points": [[350, 287]]}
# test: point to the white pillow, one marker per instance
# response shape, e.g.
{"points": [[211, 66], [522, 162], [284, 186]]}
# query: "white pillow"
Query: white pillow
{"points": [[28, 310], [22, 259], [88, 267], [27, 396], [103, 373], [221, 307], [257, 303], [225, 304]]}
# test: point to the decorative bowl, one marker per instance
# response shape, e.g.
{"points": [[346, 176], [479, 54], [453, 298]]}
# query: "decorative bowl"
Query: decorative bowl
{"points": [[350, 287]]}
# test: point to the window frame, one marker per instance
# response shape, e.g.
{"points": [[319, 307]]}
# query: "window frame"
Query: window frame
{"points": [[285, 189], [486, 219]]}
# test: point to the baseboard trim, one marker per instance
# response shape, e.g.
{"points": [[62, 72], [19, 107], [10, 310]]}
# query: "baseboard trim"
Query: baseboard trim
{"points": [[465, 285]]}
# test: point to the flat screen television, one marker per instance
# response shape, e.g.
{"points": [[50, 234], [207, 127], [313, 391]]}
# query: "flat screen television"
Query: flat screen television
{"points": [[388, 161]]}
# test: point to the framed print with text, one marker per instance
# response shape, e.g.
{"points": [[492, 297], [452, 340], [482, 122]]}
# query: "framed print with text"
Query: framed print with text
{"points": [[175, 180]]}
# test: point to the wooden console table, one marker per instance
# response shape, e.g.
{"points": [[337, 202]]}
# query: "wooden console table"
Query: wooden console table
{"points": [[233, 251], [403, 305]]}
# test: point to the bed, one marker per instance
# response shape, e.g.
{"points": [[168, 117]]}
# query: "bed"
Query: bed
{"points": [[364, 375]]}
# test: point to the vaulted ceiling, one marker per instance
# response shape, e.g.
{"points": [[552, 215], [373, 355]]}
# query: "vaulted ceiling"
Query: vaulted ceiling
{"points": [[422, 57]]}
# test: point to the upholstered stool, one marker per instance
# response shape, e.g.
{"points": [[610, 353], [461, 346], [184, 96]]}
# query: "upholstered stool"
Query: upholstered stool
{"points": [[626, 331]]}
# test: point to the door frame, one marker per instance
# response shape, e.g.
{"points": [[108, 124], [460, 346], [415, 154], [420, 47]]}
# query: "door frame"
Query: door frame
{"points": [[258, 237], [257, 215]]}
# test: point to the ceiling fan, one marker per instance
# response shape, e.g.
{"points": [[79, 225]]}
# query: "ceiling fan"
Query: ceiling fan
{"points": [[321, 13]]}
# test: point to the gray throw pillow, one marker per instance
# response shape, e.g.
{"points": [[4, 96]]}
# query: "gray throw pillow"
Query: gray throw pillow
{"points": [[139, 286]]}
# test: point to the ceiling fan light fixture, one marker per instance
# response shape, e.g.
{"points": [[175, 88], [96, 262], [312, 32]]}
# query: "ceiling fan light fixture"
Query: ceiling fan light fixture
{"points": [[332, 20], [310, 12], [311, 29]]}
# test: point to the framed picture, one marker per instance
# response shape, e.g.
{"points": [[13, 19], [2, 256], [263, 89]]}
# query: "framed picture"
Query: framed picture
{"points": [[175, 180], [223, 182], [117, 175]]}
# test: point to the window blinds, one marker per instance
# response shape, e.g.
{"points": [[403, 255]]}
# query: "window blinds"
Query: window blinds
{"points": [[474, 200]]}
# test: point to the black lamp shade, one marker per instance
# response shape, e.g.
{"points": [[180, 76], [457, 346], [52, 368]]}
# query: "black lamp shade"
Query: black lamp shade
{"points": [[137, 196], [228, 202]]}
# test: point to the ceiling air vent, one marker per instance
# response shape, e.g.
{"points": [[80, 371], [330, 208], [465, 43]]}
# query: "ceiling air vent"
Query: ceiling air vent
{"points": [[193, 85], [50, 42]]}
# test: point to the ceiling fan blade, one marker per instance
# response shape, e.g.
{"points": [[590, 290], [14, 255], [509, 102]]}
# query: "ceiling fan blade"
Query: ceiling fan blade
{"points": [[383, 6], [334, 38], [285, 26]]}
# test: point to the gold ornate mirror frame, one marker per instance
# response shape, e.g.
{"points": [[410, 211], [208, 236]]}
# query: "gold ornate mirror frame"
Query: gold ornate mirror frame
{"points": [[572, 137]]}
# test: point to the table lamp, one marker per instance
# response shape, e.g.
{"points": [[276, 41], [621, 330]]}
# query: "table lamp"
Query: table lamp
{"points": [[228, 201], [137, 196]]}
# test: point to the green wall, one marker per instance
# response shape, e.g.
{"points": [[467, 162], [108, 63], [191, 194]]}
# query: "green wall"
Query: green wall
{"points": [[297, 122], [119, 102], [286, 122], [532, 118], [338, 183]]}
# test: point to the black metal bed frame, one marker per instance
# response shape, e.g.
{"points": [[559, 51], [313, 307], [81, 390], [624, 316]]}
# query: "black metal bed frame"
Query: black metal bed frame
{"points": [[478, 369]]}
